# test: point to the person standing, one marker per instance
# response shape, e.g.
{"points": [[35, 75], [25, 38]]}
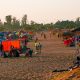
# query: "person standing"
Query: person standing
{"points": [[30, 52], [1, 47], [40, 47], [44, 36], [36, 47]]}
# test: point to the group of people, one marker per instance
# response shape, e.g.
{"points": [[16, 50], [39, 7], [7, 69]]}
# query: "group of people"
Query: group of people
{"points": [[14, 52]]}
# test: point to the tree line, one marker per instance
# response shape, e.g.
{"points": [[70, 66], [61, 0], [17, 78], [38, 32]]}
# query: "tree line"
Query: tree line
{"points": [[13, 24]]}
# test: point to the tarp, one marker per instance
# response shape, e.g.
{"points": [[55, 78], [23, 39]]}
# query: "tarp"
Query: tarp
{"points": [[2, 39], [7, 44], [67, 34], [1, 34], [67, 42], [75, 30]]}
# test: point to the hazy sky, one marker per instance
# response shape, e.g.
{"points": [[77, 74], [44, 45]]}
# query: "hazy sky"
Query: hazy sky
{"points": [[43, 11]]}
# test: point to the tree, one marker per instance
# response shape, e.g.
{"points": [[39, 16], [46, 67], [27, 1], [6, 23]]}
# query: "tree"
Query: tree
{"points": [[65, 24], [77, 22], [1, 26], [32, 22], [14, 20], [78, 19], [8, 19], [24, 20], [15, 23]]}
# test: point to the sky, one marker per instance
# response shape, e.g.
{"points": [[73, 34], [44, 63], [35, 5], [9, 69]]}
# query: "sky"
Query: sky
{"points": [[41, 11]]}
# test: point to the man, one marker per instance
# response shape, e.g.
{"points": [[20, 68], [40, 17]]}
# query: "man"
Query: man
{"points": [[38, 47]]}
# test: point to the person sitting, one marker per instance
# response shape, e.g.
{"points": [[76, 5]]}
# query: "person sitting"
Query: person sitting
{"points": [[11, 51], [76, 64], [40, 47], [5, 55], [15, 53]]}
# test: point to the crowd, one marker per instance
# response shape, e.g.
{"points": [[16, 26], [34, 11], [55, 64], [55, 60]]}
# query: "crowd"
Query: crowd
{"points": [[14, 52]]}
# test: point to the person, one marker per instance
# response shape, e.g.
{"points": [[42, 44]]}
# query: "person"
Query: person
{"points": [[30, 52], [1, 53], [77, 45], [36, 43], [50, 34], [1, 47], [25, 41], [38, 47], [36, 39], [27, 52], [58, 35], [5, 55], [24, 48], [77, 62], [44, 36], [13, 52]]}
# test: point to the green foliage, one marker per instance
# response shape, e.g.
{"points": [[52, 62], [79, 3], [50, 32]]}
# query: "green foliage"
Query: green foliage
{"points": [[65, 24], [24, 19], [13, 24]]}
